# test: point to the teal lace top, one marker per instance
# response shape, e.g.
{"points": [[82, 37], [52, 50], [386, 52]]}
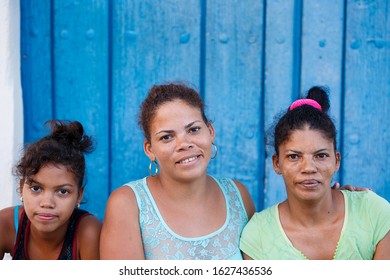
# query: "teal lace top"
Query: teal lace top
{"points": [[160, 242]]}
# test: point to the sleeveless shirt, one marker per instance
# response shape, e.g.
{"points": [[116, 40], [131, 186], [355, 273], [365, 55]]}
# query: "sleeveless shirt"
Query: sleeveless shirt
{"points": [[69, 247], [161, 242]]}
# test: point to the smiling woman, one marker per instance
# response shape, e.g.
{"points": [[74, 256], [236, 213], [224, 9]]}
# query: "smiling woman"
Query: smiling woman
{"points": [[180, 212], [315, 221], [48, 225]]}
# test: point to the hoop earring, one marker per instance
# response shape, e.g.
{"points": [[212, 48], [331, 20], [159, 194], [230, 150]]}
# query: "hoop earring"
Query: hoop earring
{"points": [[216, 151], [78, 205], [21, 199], [157, 167]]}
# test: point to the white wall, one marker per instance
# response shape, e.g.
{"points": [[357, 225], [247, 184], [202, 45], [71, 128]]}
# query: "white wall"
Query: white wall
{"points": [[11, 111]]}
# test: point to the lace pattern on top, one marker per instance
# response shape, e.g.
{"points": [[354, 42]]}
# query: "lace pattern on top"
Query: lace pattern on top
{"points": [[160, 242]]}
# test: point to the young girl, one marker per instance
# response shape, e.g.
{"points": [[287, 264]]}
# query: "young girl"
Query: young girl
{"points": [[49, 224]]}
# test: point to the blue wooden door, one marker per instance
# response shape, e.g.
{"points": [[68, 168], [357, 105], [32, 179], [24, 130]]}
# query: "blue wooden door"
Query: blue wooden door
{"points": [[95, 60]]}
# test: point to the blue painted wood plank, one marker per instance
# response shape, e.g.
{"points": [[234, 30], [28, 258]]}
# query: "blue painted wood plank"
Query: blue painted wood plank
{"points": [[36, 67], [322, 45], [367, 96], [153, 42], [278, 82], [81, 85], [233, 90], [322, 52]]}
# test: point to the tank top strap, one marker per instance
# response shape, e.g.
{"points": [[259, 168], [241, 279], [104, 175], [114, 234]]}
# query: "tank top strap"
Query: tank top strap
{"points": [[16, 220], [141, 191], [232, 193], [69, 248], [21, 240]]}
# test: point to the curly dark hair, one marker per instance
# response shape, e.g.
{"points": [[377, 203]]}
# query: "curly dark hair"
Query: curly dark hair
{"points": [[160, 94], [304, 115], [65, 145]]}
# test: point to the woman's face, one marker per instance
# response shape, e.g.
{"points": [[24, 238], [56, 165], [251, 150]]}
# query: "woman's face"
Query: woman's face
{"points": [[181, 141], [307, 161], [49, 198]]}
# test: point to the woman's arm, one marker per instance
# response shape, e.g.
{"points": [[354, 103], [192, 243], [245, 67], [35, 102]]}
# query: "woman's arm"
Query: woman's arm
{"points": [[382, 251], [7, 231], [121, 237], [89, 237]]}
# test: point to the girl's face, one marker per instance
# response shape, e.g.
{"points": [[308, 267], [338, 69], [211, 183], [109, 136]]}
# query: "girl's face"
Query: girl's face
{"points": [[180, 141], [307, 161], [49, 198]]}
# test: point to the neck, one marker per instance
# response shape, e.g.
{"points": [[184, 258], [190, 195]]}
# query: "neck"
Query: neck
{"points": [[52, 239], [45, 245], [309, 213], [180, 191]]}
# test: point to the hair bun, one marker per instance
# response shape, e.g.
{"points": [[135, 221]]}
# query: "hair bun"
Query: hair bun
{"points": [[71, 133], [319, 94]]}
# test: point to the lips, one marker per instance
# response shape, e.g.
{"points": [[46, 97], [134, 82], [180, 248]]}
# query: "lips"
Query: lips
{"points": [[309, 183], [45, 216]]}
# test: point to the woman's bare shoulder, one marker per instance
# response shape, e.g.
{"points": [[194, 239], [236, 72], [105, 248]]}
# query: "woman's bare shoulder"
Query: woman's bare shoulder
{"points": [[7, 230], [123, 194], [7, 219], [246, 198]]}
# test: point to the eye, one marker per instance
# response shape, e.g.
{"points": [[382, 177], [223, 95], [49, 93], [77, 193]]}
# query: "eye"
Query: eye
{"points": [[194, 129], [293, 156], [35, 188], [322, 155], [63, 192], [166, 137]]}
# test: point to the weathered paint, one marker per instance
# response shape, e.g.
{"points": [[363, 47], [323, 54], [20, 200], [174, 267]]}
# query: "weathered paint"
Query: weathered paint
{"points": [[37, 70], [80, 69], [366, 114], [94, 61], [232, 90], [278, 82]]}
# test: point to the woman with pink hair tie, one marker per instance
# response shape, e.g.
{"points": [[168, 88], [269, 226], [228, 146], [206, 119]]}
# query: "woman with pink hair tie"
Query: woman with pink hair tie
{"points": [[315, 221]]}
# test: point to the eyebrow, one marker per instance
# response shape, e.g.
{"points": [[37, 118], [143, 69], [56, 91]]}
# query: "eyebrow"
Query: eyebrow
{"points": [[171, 131], [32, 181], [191, 124], [298, 152]]}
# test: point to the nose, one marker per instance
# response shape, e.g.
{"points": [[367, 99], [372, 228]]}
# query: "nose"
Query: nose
{"points": [[184, 142], [308, 165], [47, 200]]}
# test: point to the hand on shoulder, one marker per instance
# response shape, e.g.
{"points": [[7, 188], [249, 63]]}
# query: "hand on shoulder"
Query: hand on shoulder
{"points": [[336, 186]]}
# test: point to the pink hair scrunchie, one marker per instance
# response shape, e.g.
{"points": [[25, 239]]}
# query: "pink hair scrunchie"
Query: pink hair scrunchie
{"points": [[305, 101]]}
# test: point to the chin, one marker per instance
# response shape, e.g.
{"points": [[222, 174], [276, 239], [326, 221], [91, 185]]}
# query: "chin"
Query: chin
{"points": [[45, 228], [191, 175]]}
